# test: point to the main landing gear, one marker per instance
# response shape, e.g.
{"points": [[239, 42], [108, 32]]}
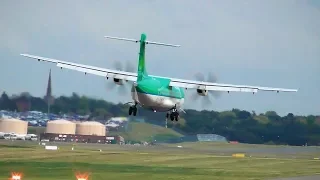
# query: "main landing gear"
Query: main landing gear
{"points": [[173, 114], [133, 110]]}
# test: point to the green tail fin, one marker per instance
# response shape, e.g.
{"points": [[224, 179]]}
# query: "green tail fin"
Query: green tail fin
{"points": [[141, 66]]}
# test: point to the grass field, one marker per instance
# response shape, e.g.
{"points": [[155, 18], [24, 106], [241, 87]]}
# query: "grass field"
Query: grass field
{"points": [[146, 132], [154, 162]]}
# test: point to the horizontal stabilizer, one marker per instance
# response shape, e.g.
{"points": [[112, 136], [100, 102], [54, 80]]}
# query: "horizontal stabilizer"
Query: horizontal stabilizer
{"points": [[136, 41], [123, 39], [162, 44]]}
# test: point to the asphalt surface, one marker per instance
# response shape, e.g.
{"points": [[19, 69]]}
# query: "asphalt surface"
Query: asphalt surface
{"points": [[316, 177], [291, 152], [306, 152]]}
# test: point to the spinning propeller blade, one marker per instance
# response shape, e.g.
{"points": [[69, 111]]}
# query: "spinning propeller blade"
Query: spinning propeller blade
{"points": [[121, 89], [206, 99]]}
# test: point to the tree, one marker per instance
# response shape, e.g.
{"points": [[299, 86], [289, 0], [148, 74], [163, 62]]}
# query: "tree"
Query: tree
{"points": [[6, 103], [272, 115], [311, 120], [238, 125]]}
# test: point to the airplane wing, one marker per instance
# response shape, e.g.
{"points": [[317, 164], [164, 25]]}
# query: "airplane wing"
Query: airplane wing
{"points": [[188, 84], [87, 69]]}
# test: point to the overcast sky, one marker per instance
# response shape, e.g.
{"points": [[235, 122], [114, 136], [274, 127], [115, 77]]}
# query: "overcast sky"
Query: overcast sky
{"points": [[266, 43]]}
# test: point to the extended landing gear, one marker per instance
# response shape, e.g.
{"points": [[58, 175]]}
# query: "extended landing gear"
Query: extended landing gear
{"points": [[174, 115], [133, 110]]}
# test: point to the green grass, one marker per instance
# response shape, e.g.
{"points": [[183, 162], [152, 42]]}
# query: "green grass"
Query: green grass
{"points": [[153, 163], [146, 132]]}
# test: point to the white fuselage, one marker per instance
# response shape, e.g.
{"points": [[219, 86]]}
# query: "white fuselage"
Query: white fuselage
{"points": [[155, 102]]}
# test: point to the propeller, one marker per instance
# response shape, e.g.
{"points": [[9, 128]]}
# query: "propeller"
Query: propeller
{"points": [[206, 99], [119, 66], [122, 89]]}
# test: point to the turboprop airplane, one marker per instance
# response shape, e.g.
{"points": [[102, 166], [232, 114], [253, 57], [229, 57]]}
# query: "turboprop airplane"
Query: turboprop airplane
{"points": [[156, 93]]}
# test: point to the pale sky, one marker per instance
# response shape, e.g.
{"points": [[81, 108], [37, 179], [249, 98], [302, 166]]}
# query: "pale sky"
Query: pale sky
{"points": [[265, 43]]}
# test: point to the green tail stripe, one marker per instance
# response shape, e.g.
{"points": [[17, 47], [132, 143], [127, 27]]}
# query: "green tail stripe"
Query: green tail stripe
{"points": [[141, 66]]}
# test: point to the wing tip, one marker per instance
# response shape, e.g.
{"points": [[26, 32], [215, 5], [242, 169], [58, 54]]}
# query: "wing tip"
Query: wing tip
{"points": [[290, 90], [26, 55]]}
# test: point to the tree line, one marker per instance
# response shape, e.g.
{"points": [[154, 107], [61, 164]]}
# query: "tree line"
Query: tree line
{"points": [[235, 125]]}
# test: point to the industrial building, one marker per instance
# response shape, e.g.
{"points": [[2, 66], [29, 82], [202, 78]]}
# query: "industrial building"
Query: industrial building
{"points": [[82, 138], [73, 138], [114, 140], [13, 126], [82, 132]]}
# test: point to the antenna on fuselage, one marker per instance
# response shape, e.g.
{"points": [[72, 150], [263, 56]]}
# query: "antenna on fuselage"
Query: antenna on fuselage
{"points": [[143, 37]]}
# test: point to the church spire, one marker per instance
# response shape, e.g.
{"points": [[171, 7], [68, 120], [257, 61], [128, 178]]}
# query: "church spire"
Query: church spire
{"points": [[49, 86], [49, 98]]}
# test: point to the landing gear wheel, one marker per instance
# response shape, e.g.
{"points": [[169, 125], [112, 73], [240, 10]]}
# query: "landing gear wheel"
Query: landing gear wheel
{"points": [[171, 116], [135, 111], [174, 114], [130, 111], [176, 117]]}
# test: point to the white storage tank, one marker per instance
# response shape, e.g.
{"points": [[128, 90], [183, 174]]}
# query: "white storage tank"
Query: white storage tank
{"points": [[91, 128], [61, 126], [16, 126]]}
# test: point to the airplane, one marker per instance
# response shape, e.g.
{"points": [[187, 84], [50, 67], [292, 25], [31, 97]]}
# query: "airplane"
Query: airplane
{"points": [[155, 93]]}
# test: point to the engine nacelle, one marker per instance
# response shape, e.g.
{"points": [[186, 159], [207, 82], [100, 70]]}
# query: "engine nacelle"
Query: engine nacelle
{"points": [[202, 92], [118, 81]]}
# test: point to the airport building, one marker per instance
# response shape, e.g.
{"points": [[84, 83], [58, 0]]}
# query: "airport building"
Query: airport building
{"points": [[82, 132], [73, 138], [82, 138], [114, 140]]}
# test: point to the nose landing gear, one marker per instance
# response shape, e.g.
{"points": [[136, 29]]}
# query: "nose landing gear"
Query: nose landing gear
{"points": [[173, 114]]}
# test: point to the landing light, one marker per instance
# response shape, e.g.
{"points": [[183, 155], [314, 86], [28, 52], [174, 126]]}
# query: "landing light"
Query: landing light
{"points": [[16, 176], [82, 176]]}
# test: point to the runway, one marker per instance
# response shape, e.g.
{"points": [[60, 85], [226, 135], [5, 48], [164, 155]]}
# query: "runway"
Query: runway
{"points": [[316, 177], [253, 151]]}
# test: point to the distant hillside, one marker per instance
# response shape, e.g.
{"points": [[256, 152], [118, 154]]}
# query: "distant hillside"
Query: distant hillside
{"points": [[138, 131]]}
